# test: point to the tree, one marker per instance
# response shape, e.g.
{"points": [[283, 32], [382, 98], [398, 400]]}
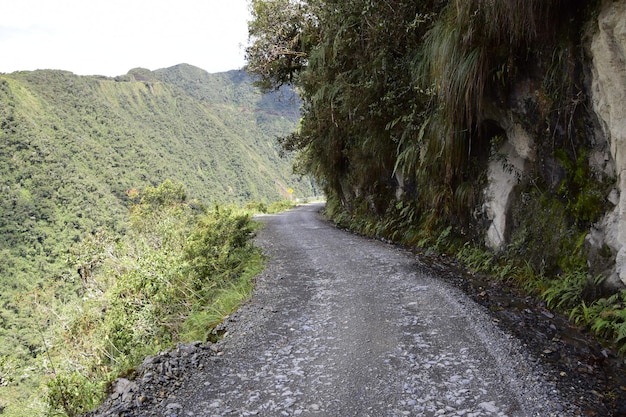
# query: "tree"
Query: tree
{"points": [[282, 33], [356, 86]]}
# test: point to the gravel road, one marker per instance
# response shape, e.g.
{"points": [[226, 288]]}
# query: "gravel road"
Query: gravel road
{"points": [[342, 326]]}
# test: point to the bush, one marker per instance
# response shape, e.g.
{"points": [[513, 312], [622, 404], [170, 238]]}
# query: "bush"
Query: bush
{"points": [[217, 249], [73, 394], [176, 273]]}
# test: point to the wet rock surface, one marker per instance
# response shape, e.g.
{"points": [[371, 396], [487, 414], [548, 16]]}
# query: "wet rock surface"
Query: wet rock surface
{"points": [[344, 326]]}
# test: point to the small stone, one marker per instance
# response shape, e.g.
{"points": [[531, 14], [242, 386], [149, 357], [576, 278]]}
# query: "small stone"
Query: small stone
{"points": [[490, 407]]}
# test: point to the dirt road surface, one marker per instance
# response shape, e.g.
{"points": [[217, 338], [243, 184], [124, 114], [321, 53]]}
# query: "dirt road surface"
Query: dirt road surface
{"points": [[340, 325], [345, 326]]}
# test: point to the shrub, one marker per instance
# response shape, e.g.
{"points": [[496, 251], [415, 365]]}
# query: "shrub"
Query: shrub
{"points": [[174, 276]]}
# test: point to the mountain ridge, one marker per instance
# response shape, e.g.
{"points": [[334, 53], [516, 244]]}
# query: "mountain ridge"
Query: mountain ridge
{"points": [[132, 132], [75, 147]]}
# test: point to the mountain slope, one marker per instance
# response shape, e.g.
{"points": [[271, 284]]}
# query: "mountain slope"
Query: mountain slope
{"points": [[73, 149], [73, 146]]}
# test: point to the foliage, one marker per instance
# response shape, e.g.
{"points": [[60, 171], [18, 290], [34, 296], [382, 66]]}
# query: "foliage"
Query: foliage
{"points": [[567, 291], [404, 105], [75, 392], [74, 153], [274, 207], [582, 191], [171, 279], [395, 96], [214, 249], [279, 54], [605, 316]]}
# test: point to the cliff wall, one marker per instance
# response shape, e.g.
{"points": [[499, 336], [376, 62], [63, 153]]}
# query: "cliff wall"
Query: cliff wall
{"points": [[608, 96], [589, 123]]}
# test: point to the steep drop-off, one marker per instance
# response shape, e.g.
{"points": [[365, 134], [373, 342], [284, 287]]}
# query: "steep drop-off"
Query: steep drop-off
{"points": [[75, 150], [73, 147]]}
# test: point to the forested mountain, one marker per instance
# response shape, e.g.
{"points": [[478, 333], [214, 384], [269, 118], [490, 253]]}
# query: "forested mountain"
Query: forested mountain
{"points": [[76, 150], [73, 147], [492, 131]]}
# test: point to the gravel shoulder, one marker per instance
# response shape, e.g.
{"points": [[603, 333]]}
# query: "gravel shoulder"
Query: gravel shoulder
{"points": [[340, 325]]}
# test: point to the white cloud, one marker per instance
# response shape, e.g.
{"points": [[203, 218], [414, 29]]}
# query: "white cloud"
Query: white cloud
{"points": [[109, 37]]}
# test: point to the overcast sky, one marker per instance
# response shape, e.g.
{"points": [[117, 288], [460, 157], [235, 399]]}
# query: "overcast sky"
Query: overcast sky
{"points": [[110, 37]]}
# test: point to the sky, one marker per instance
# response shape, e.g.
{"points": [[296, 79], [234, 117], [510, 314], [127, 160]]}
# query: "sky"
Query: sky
{"points": [[110, 37]]}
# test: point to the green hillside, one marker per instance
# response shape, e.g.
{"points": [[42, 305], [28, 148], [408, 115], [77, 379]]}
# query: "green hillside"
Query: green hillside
{"points": [[74, 150]]}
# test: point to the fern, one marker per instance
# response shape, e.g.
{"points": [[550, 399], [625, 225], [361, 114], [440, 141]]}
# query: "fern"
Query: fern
{"points": [[581, 314], [620, 334], [603, 326], [566, 292], [606, 317]]}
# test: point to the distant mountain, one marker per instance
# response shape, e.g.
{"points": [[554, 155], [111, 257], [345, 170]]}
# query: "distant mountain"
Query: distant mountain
{"points": [[72, 147]]}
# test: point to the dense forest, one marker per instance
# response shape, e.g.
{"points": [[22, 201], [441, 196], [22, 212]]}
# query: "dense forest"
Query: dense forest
{"points": [[79, 159], [486, 130]]}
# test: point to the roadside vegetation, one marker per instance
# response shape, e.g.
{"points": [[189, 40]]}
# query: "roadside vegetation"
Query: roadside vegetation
{"points": [[171, 278], [400, 107], [175, 273], [76, 154]]}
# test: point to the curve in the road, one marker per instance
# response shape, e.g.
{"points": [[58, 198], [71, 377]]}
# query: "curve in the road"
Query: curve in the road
{"points": [[345, 326]]}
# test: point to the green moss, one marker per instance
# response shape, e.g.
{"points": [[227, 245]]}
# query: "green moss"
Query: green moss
{"points": [[583, 193]]}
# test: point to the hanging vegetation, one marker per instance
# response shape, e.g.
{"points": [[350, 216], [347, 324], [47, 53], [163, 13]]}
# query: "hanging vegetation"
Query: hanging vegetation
{"points": [[408, 107]]}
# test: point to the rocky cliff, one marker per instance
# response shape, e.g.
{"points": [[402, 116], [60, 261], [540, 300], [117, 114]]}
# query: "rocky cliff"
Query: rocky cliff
{"points": [[608, 97], [488, 130], [587, 113]]}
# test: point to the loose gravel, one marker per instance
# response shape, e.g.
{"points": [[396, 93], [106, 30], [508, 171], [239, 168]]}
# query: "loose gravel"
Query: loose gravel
{"points": [[340, 325]]}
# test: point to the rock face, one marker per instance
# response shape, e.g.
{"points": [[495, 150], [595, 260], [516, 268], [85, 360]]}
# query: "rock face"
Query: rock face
{"points": [[605, 116], [608, 91], [505, 171]]}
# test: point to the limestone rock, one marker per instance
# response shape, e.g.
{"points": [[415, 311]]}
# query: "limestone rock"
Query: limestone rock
{"points": [[608, 51], [504, 173]]}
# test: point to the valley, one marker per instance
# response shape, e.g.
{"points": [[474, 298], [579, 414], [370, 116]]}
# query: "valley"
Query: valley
{"points": [[77, 151]]}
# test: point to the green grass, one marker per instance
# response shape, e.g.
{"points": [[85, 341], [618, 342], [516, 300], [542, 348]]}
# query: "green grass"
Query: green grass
{"points": [[199, 324], [172, 278]]}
